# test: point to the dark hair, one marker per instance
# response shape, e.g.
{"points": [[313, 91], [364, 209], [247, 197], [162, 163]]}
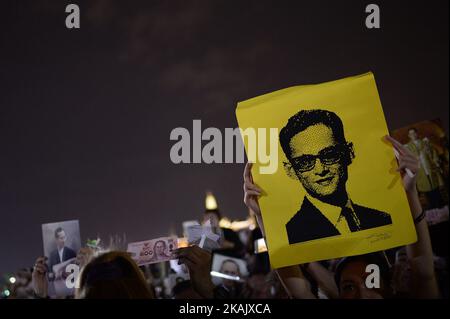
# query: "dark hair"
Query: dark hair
{"points": [[215, 212], [57, 231], [113, 275], [376, 258], [306, 118]]}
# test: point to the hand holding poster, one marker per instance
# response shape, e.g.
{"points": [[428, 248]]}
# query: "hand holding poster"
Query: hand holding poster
{"points": [[153, 251], [335, 191], [428, 141]]}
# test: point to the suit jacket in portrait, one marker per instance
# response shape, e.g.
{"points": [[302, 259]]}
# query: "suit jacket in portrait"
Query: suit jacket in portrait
{"points": [[54, 257], [309, 223]]}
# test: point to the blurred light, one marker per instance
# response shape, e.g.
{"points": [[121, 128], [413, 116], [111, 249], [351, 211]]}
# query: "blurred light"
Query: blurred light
{"points": [[182, 242], [225, 276], [210, 201], [237, 225], [260, 246], [6, 292], [12, 280], [240, 225], [225, 223]]}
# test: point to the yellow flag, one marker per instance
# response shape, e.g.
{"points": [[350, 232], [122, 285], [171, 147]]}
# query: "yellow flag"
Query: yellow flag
{"points": [[334, 191]]}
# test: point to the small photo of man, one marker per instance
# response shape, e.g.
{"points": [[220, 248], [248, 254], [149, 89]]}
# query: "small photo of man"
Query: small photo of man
{"points": [[62, 252], [61, 242], [228, 270]]}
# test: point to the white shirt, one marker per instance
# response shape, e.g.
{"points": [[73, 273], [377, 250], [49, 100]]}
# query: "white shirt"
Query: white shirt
{"points": [[333, 214], [60, 253]]}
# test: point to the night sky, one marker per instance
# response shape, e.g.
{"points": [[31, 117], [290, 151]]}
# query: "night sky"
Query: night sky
{"points": [[85, 115]]}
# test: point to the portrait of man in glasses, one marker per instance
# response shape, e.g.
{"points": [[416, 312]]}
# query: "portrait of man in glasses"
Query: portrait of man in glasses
{"points": [[318, 156]]}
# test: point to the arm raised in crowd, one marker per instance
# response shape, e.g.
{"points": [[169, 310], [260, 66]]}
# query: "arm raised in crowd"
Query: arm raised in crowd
{"points": [[324, 278], [198, 262], [39, 278], [420, 254], [292, 278]]}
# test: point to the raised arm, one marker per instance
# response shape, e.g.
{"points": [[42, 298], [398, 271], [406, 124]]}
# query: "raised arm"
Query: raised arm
{"points": [[39, 278], [420, 254], [324, 278], [292, 278]]}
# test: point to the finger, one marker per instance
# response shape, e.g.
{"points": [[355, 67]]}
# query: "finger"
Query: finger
{"points": [[188, 254], [188, 260], [252, 193], [394, 142], [251, 186], [407, 171], [180, 252], [203, 256], [403, 168], [197, 251], [408, 153], [188, 263], [410, 162], [249, 192], [247, 171], [401, 149], [413, 160], [41, 269], [411, 170], [408, 159]]}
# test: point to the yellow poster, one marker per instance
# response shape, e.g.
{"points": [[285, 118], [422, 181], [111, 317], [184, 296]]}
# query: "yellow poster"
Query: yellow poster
{"points": [[333, 190]]}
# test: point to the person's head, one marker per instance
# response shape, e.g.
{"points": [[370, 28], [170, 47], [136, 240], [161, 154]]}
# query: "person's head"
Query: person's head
{"points": [[231, 268], [413, 134], [113, 275], [212, 215], [160, 248], [317, 152], [352, 275], [60, 237]]}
